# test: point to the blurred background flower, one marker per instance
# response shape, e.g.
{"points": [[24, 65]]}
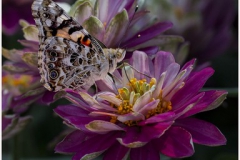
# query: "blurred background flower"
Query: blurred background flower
{"points": [[13, 11], [205, 27]]}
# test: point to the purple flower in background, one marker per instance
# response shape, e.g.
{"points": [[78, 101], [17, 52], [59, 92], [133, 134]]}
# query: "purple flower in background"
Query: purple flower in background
{"points": [[13, 11], [202, 23], [23, 63], [108, 21], [146, 110], [12, 87]]}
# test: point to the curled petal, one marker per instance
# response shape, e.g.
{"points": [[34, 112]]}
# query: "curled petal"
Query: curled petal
{"points": [[110, 97], [99, 126]]}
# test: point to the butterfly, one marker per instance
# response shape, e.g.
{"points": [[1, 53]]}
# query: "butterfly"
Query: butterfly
{"points": [[69, 57]]}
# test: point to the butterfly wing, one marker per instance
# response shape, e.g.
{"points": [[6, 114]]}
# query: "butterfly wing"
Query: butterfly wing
{"points": [[68, 56], [52, 20], [66, 64]]}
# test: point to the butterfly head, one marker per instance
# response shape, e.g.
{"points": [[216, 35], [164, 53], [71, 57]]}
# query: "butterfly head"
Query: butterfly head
{"points": [[114, 56]]}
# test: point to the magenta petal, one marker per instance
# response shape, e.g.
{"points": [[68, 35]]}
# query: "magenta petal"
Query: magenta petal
{"points": [[161, 62], [116, 152], [147, 152], [188, 64], [192, 87], [140, 63], [77, 116], [181, 110], [158, 118], [211, 99], [91, 148], [48, 97], [31, 44], [144, 134], [76, 99], [71, 142], [147, 34], [202, 132], [175, 143]]}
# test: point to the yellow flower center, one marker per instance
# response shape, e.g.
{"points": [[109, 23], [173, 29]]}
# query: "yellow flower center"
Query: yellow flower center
{"points": [[129, 96], [12, 81]]}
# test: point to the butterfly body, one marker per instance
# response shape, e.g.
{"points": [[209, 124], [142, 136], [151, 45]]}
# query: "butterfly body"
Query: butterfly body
{"points": [[69, 57]]}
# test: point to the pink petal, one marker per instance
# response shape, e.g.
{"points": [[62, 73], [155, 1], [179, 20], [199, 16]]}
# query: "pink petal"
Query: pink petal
{"points": [[136, 137], [99, 126], [142, 101], [116, 152], [71, 142], [210, 100], [76, 116], [171, 73], [188, 106], [158, 118], [141, 64], [147, 152], [161, 62], [135, 116], [151, 105], [147, 34], [191, 87], [202, 132], [176, 143], [93, 147]]}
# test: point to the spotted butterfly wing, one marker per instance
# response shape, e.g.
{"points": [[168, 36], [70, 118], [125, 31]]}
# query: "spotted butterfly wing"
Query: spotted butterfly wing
{"points": [[69, 57]]}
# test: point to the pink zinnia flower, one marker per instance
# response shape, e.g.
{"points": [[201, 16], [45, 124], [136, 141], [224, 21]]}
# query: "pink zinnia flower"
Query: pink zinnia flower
{"points": [[139, 116]]}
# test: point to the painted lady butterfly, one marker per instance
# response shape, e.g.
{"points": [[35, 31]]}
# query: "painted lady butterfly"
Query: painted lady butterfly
{"points": [[68, 56]]}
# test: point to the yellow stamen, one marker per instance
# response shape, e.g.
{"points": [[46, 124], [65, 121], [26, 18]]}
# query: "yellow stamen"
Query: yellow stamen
{"points": [[136, 88]]}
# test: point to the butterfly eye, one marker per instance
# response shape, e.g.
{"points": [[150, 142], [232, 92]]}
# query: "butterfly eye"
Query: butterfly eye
{"points": [[52, 59], [51, 65], [53, 54], [53, 74], [45, 15]]}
